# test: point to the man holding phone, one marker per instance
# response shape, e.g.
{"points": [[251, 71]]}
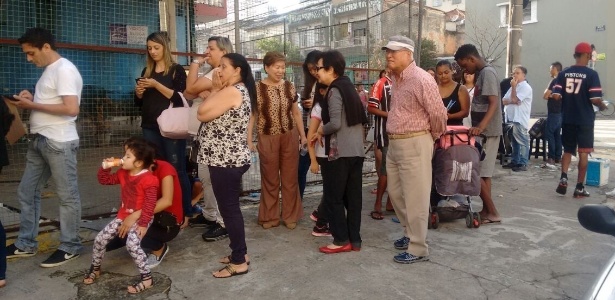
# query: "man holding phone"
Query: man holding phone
{"points": [[52, 152]]}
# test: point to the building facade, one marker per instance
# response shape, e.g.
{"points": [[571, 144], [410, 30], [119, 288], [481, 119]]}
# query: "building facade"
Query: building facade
{"points": [[551, 29]]}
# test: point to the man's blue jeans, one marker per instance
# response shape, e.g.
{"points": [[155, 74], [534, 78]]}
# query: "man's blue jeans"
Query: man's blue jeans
{"points": [[553, 135], [47, 158], [520, 145]]}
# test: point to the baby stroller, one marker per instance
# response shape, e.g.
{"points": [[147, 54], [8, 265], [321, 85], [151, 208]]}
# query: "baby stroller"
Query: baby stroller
{"points": [[456, 171]]}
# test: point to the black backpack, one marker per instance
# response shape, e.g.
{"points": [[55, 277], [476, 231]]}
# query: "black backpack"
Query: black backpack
{"points": [[538, 129]]}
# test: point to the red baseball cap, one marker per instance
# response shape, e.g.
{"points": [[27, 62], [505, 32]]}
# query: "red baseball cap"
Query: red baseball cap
{"points": [[583, 48]]}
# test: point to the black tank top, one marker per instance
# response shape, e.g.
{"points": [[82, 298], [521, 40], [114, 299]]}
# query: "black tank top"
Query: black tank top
{"points": [[453, 106]]}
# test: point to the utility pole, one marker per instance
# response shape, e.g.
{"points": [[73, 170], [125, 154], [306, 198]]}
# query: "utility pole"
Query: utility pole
{"points": [[367, 49], [515, 30], [410, 19], [419, 36], [237, 37], [171, 24]]}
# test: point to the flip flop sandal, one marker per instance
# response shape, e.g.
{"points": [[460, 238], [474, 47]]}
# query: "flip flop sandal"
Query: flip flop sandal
{"points": [[140, 287], [91, 274], [489, 222], [229, 268], [376, 215]]}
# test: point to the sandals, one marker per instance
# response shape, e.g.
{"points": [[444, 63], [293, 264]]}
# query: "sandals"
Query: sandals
{"points": [[228, 260], [91, 275], [231, 270], [376, 215], [140, 286]]}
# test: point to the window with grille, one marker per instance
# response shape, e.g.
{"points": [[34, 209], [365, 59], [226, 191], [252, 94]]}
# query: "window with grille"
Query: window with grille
{"points": [[530, 13]]}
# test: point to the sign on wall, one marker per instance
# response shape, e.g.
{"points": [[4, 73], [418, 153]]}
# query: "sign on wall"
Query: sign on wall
{"points": [[122, 34]]}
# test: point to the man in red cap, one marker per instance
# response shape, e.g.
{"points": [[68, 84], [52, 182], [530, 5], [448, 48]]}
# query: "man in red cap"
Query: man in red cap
{"points": [[578, 87]]}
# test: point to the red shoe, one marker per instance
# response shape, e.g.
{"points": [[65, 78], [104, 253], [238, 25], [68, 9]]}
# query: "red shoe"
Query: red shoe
{"points": [[327, 250]]}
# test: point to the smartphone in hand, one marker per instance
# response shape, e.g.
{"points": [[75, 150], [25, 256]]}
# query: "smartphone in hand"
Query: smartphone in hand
{"points": [[10, 97]]}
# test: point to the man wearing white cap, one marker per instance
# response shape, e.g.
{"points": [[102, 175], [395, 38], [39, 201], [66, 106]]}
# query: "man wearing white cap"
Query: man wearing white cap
{"points": [[416, 118]]}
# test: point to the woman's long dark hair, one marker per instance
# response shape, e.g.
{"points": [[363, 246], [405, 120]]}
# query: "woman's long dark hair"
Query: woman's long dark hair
{"points": [[309, 80], [238, 61]]}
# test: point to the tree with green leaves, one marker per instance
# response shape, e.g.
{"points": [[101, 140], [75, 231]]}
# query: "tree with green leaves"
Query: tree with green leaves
{"points": [[276, 44], [428, 54]]}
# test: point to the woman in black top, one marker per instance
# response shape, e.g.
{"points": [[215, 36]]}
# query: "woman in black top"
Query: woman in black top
{"points": [[454, 95], [160, 84]]}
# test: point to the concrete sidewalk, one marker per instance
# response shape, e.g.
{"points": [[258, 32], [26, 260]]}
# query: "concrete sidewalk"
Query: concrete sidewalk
{"points": [[538, 252]]}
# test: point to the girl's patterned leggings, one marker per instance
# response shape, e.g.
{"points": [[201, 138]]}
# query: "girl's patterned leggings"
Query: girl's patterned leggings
{"points": [[133, 244]]}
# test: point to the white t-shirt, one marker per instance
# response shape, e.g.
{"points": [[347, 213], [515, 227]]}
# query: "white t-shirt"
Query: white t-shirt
{"points": [[61, 78], [520, 113], [317, 114]]}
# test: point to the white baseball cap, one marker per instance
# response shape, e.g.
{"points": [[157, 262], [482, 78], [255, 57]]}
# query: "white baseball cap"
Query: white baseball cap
{"points": [[399, 42]]}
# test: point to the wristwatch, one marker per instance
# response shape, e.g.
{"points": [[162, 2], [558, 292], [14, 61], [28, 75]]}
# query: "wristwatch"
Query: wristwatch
{"points": [[196, 61]]}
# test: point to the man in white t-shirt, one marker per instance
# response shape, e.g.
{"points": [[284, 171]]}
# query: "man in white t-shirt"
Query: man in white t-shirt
{"points": [[518, 105], [52, 152]]}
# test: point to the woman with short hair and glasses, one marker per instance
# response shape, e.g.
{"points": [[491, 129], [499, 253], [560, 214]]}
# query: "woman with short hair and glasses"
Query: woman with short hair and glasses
{"points": [[280, 131], [343, 140]]}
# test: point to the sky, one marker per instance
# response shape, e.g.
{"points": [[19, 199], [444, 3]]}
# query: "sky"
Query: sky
{"points": [[284, 5]]}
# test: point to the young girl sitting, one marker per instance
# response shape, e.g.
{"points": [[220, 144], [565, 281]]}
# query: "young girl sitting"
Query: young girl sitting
{"points": [[139, 188]]}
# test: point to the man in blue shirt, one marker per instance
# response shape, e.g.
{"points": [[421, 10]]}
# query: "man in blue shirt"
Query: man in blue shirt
{"points": [[578, 87]]}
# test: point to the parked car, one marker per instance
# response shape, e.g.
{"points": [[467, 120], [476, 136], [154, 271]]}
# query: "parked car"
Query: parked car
{"points": [[600, 219]]}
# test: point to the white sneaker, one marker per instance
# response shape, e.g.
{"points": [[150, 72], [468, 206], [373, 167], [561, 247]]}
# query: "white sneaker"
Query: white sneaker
{"points": [[611, 193]]}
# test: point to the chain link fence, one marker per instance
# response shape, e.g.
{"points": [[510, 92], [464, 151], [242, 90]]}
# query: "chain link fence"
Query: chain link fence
{"points": [[106, 41]]}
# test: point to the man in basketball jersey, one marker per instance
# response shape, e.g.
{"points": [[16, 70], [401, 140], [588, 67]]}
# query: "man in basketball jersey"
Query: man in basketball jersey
{"points": [[578, 87]]}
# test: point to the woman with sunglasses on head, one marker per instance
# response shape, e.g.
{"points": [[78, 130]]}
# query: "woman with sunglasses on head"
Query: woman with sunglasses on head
{"points": [[161, 82], [313, 94]]}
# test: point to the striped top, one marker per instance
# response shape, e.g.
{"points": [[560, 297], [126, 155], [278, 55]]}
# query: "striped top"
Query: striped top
{"points": [[380, 98]]}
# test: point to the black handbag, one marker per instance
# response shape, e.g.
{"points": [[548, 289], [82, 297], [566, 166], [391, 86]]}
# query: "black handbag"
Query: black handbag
{"points": [[165, 219]]}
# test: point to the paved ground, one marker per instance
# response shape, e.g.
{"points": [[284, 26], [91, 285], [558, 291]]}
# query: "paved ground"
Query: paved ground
{"points": [[539, 252]]}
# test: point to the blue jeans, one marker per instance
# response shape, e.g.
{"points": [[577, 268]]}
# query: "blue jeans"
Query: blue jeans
{"points": [[46, 158], [520, 145], [553, 135], [174, 152], [304, 166]]}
